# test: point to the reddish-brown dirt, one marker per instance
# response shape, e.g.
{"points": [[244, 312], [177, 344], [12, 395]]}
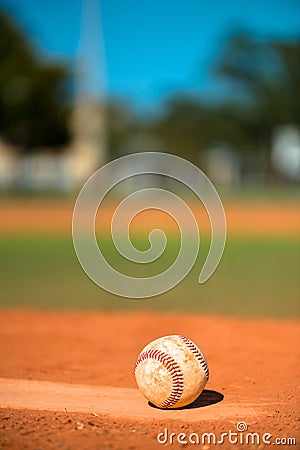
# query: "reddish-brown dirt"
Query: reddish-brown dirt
{"points": [[67, 380], [56, 216]]}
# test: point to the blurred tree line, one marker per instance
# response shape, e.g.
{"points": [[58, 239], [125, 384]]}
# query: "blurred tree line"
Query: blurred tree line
{"points": [[258, 83], [260, 89], [34, 109]]}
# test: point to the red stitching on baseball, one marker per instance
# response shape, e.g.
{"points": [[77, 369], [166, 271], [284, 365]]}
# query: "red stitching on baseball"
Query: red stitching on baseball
{"points": [[174, 370], [198, 354]]}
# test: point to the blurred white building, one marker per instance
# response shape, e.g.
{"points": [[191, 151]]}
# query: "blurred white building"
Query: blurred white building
{"points": [[63, 170], [223, 165], [286, 151], [68, 168]]}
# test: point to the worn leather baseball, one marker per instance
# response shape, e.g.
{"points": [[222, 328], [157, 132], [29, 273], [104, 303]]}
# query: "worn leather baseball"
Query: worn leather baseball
{"points": [[171, 371]]}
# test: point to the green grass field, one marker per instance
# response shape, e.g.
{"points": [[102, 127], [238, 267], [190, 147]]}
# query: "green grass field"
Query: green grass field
{"points": [[256, 277]]}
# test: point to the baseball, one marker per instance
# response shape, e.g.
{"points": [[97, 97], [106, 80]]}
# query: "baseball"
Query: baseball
{"points": [[171, 371]]}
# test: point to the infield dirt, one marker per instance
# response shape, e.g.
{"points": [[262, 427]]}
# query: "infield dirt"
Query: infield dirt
{"points": [[67, 379], [54, 216]]}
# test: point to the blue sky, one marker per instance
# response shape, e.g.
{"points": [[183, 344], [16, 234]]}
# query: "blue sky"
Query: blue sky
{"points": [[152, 48]]}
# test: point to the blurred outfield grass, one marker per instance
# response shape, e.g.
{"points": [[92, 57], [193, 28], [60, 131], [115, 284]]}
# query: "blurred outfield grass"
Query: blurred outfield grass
{"points": [[257, 277]]}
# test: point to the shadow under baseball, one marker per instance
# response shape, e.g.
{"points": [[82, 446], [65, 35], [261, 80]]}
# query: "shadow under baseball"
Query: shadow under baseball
{"points": [[206, 398]]}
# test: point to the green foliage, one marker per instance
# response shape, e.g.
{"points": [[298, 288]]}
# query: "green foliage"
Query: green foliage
{"points": [[120, 125], [33, 95], [263, 76]]}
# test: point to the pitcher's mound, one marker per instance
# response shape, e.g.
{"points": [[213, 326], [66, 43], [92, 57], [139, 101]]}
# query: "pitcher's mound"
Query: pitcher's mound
{"points": [[127, 403]]}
